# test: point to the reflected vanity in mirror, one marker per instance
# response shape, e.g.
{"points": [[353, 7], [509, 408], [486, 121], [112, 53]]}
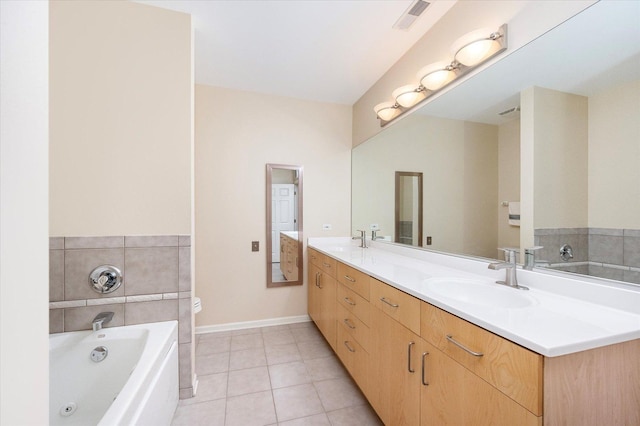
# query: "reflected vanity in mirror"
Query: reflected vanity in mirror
{"points": [[408, 216], [284, 225], [561, 138]]}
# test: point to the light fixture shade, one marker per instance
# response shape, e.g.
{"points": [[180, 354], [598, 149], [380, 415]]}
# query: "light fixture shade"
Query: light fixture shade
{"points": [[408, 96], [436, 75], [386, 111], [476, 46]]}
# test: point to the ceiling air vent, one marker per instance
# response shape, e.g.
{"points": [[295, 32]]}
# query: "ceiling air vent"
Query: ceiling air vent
{"points": [[510, 110], [410, 15]]}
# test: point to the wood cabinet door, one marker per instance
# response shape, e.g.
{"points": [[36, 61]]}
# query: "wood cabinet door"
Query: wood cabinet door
{"points": [[313, 292], [327, 307], [453, 395], [395, 357]]}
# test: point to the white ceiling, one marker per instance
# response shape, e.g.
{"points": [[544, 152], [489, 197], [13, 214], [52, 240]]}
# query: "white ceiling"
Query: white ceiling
{"points": [[321, 50]]}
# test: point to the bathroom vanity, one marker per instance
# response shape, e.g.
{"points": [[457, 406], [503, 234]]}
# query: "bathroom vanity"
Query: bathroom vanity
{"points": [[431, 339], [289, 255]]}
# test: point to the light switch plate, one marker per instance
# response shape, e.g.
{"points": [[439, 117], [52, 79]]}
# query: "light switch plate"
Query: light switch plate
{"points": [[375, 227], [255, 245], [326, 227]]}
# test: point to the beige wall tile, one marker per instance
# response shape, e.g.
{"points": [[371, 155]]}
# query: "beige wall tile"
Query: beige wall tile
{"points": [[81, 318], [184, 240], [93, 242], [78, 264], [56, 243], [184, 272], [56, 275], [185, 306], [151, 270], [151, 241], [185, 370], [144, 312], [56, 320]]}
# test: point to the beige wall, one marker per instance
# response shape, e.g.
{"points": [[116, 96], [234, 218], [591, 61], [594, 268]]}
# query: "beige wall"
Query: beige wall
{"points": [[559, 158], [237, 134], [508, 180], [526, 19], [614, 158], [459, 165], [120, 98], [24, 253]]}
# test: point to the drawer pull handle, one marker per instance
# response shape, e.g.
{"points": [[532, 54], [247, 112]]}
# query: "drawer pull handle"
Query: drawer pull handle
{"points": [[349, 324], [346, 343], [393, 305], [409, 357], [318, 276], [348, 278], [463, 347], [424, 382], [326, 265], [349, 301]]}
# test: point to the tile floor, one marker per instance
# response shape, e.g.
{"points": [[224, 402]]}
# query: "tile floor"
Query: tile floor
{"points": [[283, 375]]}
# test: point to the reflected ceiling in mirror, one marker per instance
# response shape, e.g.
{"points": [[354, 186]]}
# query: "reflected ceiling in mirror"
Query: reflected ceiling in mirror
{"points": [[476, 162]]}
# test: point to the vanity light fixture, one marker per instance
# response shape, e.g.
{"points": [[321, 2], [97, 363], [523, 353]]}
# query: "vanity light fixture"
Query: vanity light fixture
{"points": [[408, 96], [469, 51]]}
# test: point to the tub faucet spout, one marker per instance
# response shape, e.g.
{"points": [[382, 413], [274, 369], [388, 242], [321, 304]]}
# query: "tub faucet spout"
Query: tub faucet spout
{"points": [[100, 319]]}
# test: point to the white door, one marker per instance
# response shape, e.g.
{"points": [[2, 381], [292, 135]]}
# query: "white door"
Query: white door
{"points": [[282, 214]]}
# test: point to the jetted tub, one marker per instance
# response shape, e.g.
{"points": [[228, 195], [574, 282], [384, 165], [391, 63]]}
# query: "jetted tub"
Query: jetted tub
{"points": [[136, 383]]}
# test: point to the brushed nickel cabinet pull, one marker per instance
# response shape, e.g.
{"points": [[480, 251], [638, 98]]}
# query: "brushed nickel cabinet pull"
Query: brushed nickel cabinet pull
{"points": [[463, 347], [349, 301], [393, 305], [409, 357], [318, 277], [326, 265], [346, 343], [349, 324], [424, 382], [348, 278]]}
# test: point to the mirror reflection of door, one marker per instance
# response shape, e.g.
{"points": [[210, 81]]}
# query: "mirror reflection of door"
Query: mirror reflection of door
{"points": [[284, 225], [408, 211]]}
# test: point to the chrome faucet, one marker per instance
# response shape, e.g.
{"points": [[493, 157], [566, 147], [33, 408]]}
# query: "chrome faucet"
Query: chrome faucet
{"points": [[362, 238], [100, 319], [530, 257], [374, 234], [510, 265]]}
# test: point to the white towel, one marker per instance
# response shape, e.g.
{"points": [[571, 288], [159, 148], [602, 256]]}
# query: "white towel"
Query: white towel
{"points": [[514, 213]]}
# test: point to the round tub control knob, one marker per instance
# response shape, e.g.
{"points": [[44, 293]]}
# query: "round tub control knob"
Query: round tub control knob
{"points": [[105, 279]]}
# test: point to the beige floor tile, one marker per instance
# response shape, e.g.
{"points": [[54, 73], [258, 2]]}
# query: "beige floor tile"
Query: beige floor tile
{"points": [[274, 328], [288, 374], [306, 334], [317, 420], [278, 337], [213, 345], [314, 349], [210, 387], [212, 363], [325, 368], [296, 401], [246, 341], [249, 380], [211, 413], [361, 415], [339, 393], [303, 324], [247, 358], [252, 409], [279, 354]]}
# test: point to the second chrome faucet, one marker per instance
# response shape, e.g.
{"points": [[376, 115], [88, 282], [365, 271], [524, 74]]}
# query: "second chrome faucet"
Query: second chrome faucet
{"points": [[511, 279]]}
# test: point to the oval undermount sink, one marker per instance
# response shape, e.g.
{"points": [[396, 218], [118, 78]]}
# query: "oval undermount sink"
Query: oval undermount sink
{"points": [[477, 292]]}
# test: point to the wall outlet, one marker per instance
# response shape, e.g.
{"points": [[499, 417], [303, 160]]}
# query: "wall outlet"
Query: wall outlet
{"points": [[428, 241], [326, 227], [255, 245], [374, 227]]}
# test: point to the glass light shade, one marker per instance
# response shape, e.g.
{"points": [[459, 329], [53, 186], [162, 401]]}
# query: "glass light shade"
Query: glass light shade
{"points": [[435, 76], [386, 111], [407, 96], [475, 47]]}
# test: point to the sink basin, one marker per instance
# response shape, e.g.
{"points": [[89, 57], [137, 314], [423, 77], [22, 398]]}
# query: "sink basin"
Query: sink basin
{"points": [[477, 292]]}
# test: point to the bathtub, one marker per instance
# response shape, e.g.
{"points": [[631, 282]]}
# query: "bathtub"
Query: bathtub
{"points": [[135, 384]]}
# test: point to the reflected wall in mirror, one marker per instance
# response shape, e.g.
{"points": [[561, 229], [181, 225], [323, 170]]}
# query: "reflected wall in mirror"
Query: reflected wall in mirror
{"points": [[562, 137], [284, 225], [408, 212]]}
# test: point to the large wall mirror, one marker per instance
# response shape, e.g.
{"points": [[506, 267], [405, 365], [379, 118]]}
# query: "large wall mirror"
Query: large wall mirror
{"points": [[550, 132], [284, 225]]}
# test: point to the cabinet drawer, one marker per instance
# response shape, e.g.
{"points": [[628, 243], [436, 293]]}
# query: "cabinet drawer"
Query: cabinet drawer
{"points": [[512, 369], [354, 326], [399, 305], [354, 279], [354, 303], [354, 358], [325, 263]]}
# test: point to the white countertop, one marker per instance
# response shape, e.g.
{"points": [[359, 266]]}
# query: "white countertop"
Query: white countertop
{"points": [[563, 315]]}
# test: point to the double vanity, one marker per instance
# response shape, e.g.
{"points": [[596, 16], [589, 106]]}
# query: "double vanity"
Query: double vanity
{"points": [[431, 339]]}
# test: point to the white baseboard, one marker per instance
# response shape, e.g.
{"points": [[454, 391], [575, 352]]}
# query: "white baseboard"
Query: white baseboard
{"points": [[251, 324]]}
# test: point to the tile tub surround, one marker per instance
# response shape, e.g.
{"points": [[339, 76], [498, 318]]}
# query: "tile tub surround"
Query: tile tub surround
{"points": [[156, 286], [600, 252]]}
